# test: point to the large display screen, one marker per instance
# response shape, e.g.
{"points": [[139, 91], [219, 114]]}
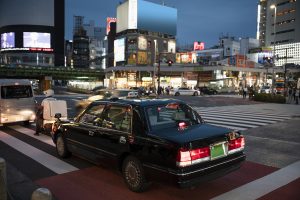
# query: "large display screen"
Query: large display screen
{"points": [[33, 12], [35, 39], [119, 49], [7, 40], [144, 15], [156, 18]]}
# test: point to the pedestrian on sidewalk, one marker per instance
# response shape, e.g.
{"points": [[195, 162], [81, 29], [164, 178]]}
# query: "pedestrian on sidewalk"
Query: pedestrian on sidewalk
{"points": [[290, 93], [297, 95], [245, 92]]}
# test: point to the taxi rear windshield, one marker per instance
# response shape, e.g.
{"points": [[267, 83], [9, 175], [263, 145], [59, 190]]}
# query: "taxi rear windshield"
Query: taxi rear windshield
{"points": [[169, 115], [16, 91]]}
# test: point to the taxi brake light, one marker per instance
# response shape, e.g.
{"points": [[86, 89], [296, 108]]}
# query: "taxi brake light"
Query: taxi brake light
{"points": [[236, 145], [187, 158]]}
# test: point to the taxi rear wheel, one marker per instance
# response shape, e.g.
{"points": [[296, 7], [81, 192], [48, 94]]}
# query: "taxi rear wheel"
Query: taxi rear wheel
{"points": [[61, 147], [133, 174]]}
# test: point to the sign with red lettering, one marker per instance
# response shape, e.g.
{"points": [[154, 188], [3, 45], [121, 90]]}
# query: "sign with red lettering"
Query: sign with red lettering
{"points": [[198, 46]]}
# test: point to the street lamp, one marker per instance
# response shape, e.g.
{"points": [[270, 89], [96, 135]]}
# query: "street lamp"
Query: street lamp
{"points": [[273, 6]]}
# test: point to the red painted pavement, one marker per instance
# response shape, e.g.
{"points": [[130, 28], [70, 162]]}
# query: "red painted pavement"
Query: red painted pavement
{"points": [[98, 183]]}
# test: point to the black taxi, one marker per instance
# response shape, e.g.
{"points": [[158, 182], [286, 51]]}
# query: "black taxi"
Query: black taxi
{"points": [[147, 137]]}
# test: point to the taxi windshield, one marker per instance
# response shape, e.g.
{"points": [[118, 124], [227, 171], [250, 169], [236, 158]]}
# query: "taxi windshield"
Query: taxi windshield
{"points": [[170, 115]]}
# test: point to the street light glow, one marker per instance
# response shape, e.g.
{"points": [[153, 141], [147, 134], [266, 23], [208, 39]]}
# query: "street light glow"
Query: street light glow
{"points": [[273, 6]]}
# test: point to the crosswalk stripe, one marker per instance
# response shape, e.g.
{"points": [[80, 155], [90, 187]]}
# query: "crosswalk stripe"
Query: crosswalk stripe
{"points": [[49, 161], [264, 185], [250, 118], [241, 117], [29, 132], [230, 123], [279, 116], [230, 127], [235, 120]]}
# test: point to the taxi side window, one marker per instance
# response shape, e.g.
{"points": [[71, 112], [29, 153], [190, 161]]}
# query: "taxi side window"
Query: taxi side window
{"points": [[92, 115], [118, 118]]}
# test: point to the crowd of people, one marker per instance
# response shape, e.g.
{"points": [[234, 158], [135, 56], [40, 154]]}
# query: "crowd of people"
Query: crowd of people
{"points": [[293, 95]]}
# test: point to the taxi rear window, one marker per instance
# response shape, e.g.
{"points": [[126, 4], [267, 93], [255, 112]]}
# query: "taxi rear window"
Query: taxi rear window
{"points": [[16, 91]]}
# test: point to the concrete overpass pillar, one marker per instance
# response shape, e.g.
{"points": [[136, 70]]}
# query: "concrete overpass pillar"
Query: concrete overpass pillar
{"points": [[45, 83]]}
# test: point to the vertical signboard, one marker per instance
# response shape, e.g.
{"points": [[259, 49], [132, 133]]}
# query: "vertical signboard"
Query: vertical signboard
{"points": [[132, 14], [119, 49], [109, 20]]}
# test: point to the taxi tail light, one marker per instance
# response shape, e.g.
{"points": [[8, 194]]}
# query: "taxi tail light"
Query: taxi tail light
{"points": [[235, 145], [189, 157]]}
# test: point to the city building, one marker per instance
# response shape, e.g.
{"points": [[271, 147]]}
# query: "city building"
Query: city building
{"points": [[81, 51], [29, 37], [279, 29], [261, 22], [89, 44], [145, 36], [97, 46]]}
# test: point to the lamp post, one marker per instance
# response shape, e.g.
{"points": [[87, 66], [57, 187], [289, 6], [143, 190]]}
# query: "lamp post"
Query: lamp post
{"points": [[158, 67], [273, 6]]}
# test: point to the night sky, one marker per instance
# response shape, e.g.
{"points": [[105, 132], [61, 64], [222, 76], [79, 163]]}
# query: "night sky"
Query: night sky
{"points": [[198, 20]]}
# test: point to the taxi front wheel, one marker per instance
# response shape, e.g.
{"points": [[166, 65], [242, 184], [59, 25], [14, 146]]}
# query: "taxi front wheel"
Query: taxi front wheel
{"points": [[134, 175], [61, 147]]}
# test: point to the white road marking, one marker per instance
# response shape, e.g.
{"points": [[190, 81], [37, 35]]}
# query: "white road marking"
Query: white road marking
{"points": [[230, 127], [49, 161], [239, 120], [264, 185], [230, 123], [254, 119], [43, 138]]}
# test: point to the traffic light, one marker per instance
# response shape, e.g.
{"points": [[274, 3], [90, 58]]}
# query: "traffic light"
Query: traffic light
{"points": [[170, 62]]}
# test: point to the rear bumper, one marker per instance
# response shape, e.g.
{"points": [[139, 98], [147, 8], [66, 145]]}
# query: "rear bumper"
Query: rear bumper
{"points": [[197, 174], [10, 118], [191, 178]]}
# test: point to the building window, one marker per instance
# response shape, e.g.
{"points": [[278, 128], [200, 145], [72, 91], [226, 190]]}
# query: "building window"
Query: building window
{"points": [[285, 31]]}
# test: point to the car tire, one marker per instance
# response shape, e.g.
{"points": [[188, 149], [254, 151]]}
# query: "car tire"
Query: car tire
{"points": [[177, 94], [195, 94], [61, 147], [133, 174]]}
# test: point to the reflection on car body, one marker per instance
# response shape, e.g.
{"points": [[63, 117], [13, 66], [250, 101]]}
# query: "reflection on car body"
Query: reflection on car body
{"points": [[151, 138]]}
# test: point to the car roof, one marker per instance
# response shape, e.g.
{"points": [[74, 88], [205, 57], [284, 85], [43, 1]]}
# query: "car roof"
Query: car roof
{"points": [[141, 102]]}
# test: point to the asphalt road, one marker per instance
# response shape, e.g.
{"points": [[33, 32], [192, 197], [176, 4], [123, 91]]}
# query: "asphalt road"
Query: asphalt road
{"points": [[272, 143]]}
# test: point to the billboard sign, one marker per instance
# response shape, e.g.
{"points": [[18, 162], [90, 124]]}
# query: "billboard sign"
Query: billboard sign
{"points": [[198, 46], [7, 40], [36, 40], [145, 15], [109, 20], [142, 43], [171, 46], [119, 49], [142, 58]]}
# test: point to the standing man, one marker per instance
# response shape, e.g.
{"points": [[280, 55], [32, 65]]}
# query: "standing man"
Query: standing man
{"points": [[245, 92], [297, 95], [40, 111]]}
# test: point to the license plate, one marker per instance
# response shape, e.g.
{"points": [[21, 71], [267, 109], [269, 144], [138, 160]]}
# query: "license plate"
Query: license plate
{"points": [[218, 150]]}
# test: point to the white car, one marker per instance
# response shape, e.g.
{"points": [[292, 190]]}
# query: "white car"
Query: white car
{"points": [[184, 91], [265, 89]]}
